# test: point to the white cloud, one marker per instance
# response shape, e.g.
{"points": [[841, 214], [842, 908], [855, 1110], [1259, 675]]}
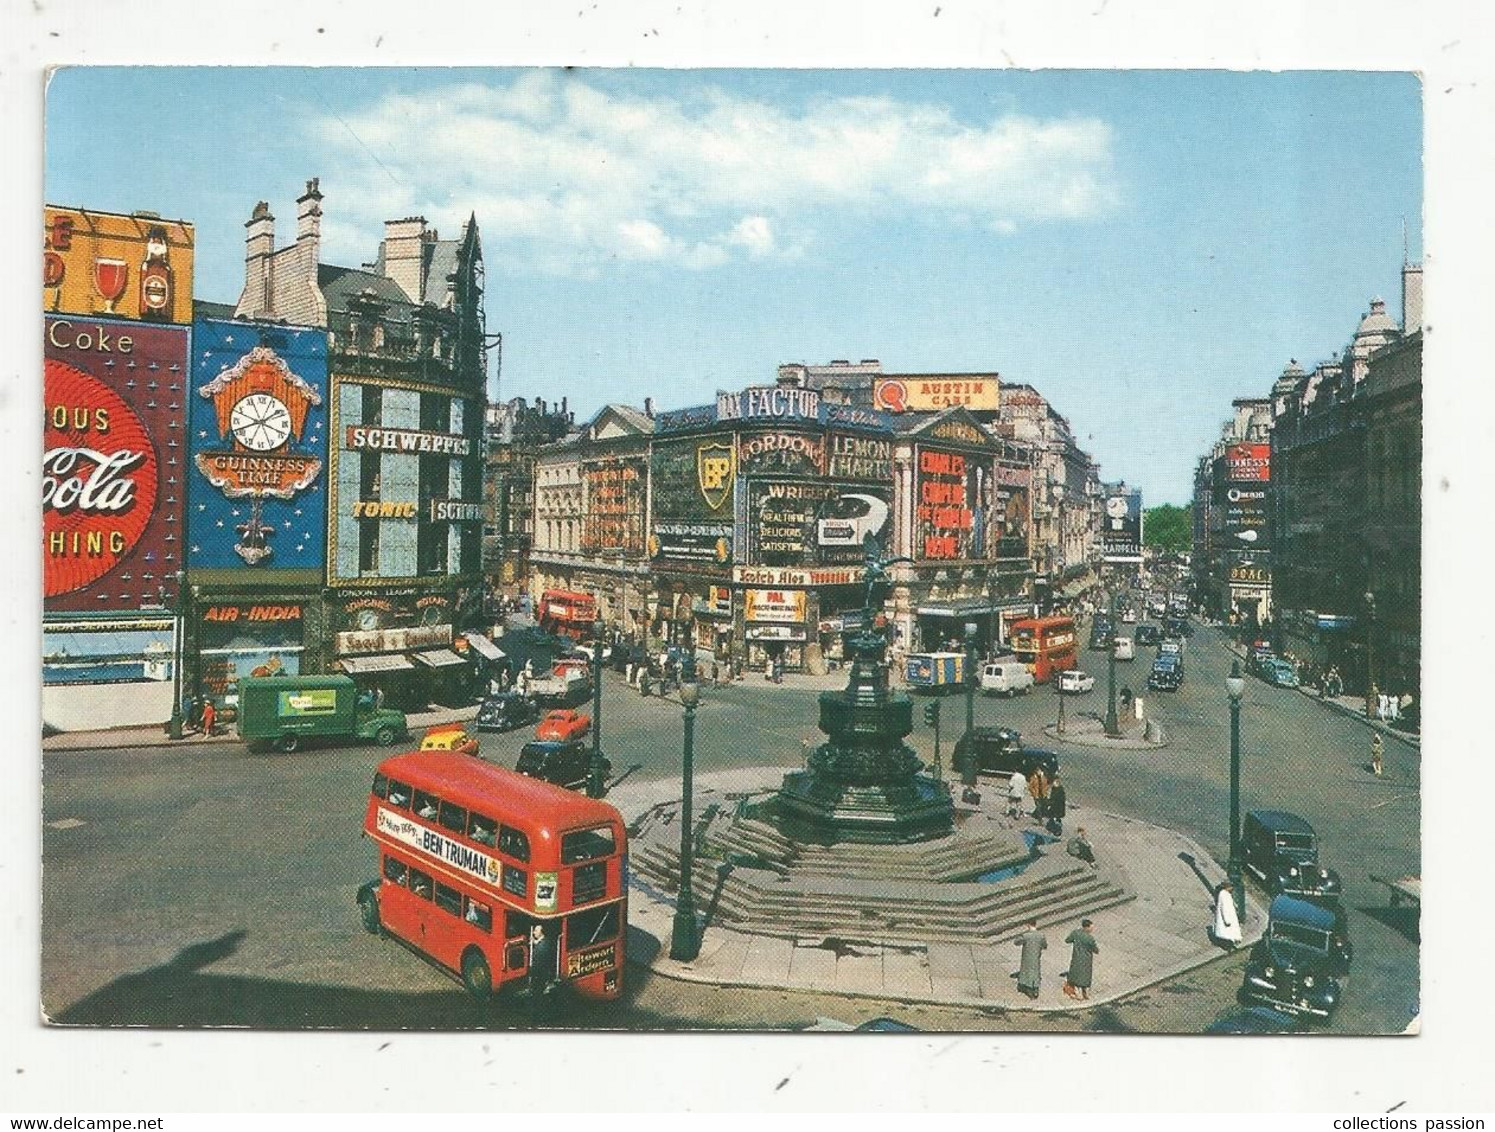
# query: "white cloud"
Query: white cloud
{"points": [[564, 175]]}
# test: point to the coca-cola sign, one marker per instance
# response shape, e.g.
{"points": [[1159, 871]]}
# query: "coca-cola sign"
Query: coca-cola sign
{"points": [[98, 479], [113, 462]]}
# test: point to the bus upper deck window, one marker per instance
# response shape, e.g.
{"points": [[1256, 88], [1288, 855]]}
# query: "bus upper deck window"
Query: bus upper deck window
{"points": [[481, 829], [399, 794], [514, 842], [426, 804], [381, 786], [453, 818], [587, 845]]}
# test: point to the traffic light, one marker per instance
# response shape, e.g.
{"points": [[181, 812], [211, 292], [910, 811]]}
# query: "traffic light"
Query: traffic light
{"points": [[932, 714]]}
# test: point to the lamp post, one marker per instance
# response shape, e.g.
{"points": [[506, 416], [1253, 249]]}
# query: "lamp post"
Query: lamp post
{"points": [[1370, 655], [1113, 726], [968, 763], [1235, 687], [178, 654], [1059, 690], [685, 938], [595, 786]]}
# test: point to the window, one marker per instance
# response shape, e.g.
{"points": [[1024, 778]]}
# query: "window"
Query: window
{"points": [[448, 899], [453, 817], [587, 845], [368, 475], [589, 882], [516, 925], [515, 881], [513, 842], [381, 786], [477, 914], [420, 884], [426, 805], [587, 928], [373, 404], [368, 546], [435, 412], [480, 829], [399, 794], [394, 870]]}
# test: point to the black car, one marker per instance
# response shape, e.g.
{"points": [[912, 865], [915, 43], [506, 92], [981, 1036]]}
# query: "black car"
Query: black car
{"points": [[1282, 850], [562, 763], [1167, 674], [1101, 632], [506, 711], [1000, 750], [1254, 1020], [1147, 635], [1297, 964]]}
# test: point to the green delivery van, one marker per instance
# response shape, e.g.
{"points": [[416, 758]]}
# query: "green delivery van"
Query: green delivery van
{"points": [[286, 711]]}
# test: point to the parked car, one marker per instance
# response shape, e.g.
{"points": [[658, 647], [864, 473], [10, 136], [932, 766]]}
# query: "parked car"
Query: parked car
{"points": [[1005, 677], [1000, 750], [1254, 1020], [1275, 670], [1297, 964], [506, 711], [1074, 681], [1125, 648], [563, 724], [1147, 635], [1282, 850], [564, 764], [1167, 674], [452, 737]]}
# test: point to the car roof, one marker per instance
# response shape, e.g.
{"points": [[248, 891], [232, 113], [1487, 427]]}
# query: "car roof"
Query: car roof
{"points": [[1281, 820], [995, 732], [1298, 911]]}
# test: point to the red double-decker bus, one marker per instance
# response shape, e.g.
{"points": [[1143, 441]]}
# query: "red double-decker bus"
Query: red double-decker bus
{"points": [[567, 612], [1046, 645], [481, 869]]}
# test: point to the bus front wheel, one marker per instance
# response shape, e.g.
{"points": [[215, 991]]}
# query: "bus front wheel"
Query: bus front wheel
{"points": [[288, 742], [368, 909], [476, 976]]}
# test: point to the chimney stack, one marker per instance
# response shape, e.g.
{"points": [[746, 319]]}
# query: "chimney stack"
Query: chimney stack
{"points": [[259, 253], [649, 407], [404, 243], [1411, 298]]}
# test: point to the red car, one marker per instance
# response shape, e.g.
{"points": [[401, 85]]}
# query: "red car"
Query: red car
{"points": [[563, 724]]}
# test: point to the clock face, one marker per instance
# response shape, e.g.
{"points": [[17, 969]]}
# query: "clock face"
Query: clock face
{"points": [[368, 619], [1116, 506], [260, 422]]}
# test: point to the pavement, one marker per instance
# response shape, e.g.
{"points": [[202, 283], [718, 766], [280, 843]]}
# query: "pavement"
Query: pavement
{"points": [[1157, 936]]}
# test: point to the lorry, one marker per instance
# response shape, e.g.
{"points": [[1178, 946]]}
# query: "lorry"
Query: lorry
{"points": [[565, 685], [286, 711], [936, 672]]}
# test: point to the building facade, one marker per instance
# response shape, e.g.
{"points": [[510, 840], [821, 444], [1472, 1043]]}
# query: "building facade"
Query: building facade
{"points": [[515, 432]]}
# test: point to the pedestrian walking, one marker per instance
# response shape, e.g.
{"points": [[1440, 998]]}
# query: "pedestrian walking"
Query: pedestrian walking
{"points": [[1030, 966], [1055, 808], [1083, 950], [1227, 930], [209, 717], [1383, 706], [1377, 755], [1017, 794], [542, 971]]}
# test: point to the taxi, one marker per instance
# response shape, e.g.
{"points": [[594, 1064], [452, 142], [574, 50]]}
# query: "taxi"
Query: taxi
{"points": [[450, 737]]}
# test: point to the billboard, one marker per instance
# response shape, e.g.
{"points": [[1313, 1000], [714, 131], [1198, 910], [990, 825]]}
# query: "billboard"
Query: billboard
{"points": [[953, 497], [854, 457], [614, 505], [102, 264], [933, 392], [1121, 526], [113, 463], [1248, 463], [814, 522], [694, 491], [257, 491], [789, 453], [784, 606], [1244, 507]]}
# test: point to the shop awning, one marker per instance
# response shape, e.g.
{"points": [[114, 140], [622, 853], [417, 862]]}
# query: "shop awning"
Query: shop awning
{"points": [[439, 658], [484, 646], [389, 662]]}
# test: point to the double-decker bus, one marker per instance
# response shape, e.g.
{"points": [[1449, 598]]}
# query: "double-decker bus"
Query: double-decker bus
{"points": [[1045, 644], [567, 613], [479, 868]]}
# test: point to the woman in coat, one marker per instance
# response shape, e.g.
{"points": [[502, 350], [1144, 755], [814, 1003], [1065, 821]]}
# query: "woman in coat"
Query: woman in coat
{"points": [[1227, 924], [1056, 807], [1081, 966], [1030, 970]]}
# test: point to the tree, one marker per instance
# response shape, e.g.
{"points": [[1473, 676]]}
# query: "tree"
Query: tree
{"points": [[1169, 528]]}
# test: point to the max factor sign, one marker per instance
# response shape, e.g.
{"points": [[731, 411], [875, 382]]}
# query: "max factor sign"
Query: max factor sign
{"points": [[362, 438], [770, 402]]}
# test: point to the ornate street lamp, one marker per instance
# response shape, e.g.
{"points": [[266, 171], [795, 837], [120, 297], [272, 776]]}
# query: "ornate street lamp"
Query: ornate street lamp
{"points": [[1059, 690], [1235, 687], [1370, 655], [968, 764], [178, 656], [685, 938], [595, 786], [1113, 726]]}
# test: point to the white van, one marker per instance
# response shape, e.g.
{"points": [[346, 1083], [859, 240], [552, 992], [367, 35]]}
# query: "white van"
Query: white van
{"points": [[1005, 677], [1126, 648]]}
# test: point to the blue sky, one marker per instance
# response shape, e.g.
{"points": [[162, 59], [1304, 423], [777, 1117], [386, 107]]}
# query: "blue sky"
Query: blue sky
{"points": [[1140, 246]]}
